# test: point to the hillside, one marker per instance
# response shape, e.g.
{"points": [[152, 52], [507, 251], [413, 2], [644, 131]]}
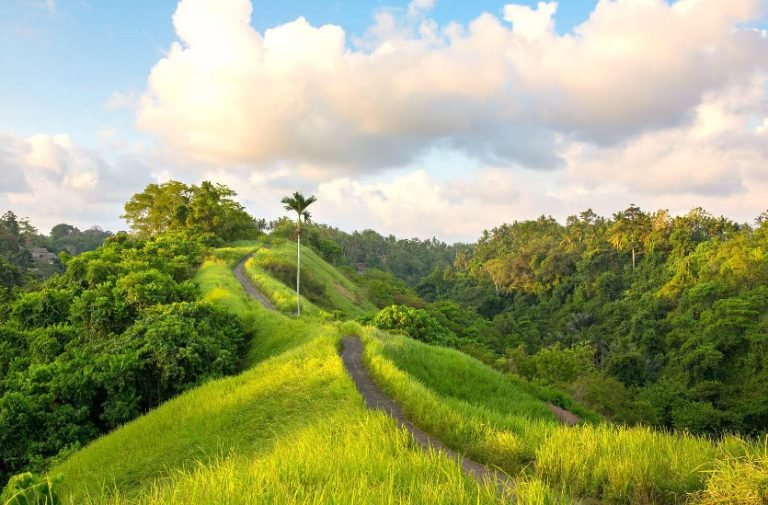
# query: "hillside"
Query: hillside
{"points": [[292, 428]]}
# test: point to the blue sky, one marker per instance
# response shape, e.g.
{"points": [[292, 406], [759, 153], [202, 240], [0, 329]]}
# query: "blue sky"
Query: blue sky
{"points": [[650, 102], [69, 56]]}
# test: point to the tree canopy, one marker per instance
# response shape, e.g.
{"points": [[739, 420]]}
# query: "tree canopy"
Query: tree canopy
{"points": [[175, 206]]}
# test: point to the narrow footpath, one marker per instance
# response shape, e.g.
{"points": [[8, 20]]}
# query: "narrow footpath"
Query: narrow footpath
{"points": [[248, 286], [375, 399]]}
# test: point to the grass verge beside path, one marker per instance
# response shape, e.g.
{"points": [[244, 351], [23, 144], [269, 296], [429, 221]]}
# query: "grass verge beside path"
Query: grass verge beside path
{"points": [[479, 412], [323, 287]]}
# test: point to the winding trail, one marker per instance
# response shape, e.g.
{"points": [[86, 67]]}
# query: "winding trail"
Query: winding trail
{"points": [[376, 399], [248, 286]]}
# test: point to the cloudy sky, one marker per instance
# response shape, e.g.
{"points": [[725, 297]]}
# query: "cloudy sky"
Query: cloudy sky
{"points": [[428, 118]]}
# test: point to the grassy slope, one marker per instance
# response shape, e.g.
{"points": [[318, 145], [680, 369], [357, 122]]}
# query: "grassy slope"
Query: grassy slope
{"points": [[339, 293], [474, 408], [292, 429]]}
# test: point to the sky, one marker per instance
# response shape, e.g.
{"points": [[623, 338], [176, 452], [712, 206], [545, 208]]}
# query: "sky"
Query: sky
{"points": [[422, 118]]}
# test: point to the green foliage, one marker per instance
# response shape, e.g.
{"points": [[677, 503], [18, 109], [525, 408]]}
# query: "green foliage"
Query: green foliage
{"points": [[383, 288], [118, 333], [294, 429], [407, 259], [175, 206], [417, 323], [70, 239], [674, 310], [30, 489]]}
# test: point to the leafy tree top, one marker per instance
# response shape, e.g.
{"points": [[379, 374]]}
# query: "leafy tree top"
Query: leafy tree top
{"points": [[298, 203]]}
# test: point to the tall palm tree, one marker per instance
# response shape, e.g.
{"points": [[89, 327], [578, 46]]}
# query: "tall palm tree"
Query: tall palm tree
{"points": [[298, 204]]}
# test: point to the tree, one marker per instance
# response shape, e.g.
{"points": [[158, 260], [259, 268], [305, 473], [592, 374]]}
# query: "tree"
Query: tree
{"points": [[298, 204], [175, 206], [629, 230]]}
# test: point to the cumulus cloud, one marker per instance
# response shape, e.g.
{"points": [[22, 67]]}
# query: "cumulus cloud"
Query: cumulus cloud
{"points": [[415, 204], [502, 90], [52, 180], [717, 153]]}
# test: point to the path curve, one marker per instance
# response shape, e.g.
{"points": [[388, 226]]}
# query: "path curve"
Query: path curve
{"points": [[254, 293], [566, 417], [376, 399]]}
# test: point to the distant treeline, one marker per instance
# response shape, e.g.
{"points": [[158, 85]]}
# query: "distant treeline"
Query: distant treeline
{"points": [[647, 317], [409, 259], [19, 239]]}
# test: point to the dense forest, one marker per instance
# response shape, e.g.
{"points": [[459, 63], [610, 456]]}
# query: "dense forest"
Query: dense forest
{"points": [[647, 317], [119, 330], [26, 254]]}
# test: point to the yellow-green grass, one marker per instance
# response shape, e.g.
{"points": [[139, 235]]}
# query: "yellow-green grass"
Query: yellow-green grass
{"points": [[339, 293], [499, 425], [281, 296], [291, 430], [272, 333], [480, 412], [741, 479]]}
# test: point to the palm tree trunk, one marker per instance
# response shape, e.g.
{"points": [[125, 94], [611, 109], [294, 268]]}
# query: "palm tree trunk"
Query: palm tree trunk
{"points": [[633, 258], [298, 272]]}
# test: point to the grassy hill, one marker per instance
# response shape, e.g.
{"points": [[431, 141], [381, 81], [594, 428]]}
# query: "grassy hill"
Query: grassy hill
{"points": [[293, 429]]}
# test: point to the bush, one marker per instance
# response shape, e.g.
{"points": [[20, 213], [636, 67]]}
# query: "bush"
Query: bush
{"points": [[30, 489], [417, 323]]}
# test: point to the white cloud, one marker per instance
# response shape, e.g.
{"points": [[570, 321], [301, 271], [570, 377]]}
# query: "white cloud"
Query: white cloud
{"points": [[418, 8], [51, 180], [122, 100], [414, 204], [716, 153], [226, 94], [532, 23]]}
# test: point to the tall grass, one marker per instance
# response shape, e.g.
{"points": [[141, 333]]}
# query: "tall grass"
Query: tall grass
{"points": [[336, 293], [479, 412], [499, 425], [738, 479], [352, 458], [282, 296], [242, 415], [626, 465]]}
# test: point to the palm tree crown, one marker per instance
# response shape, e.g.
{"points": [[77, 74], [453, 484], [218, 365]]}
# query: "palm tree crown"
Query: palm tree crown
{"points": [[298, 204]]}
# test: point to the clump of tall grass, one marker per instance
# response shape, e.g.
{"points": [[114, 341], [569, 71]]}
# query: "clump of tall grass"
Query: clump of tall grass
{"points": [[738, 479], [626, 465], [352, 458], [283, 297]]}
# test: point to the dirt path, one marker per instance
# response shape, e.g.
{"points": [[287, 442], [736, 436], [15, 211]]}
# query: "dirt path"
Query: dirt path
{"points": [[376, 399], [565, 417], [254, 293]]}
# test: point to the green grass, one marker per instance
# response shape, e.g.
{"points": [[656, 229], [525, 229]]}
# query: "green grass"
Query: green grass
{"points": [[328, 289], [496, 423], [293, 429], [491, 418]]}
